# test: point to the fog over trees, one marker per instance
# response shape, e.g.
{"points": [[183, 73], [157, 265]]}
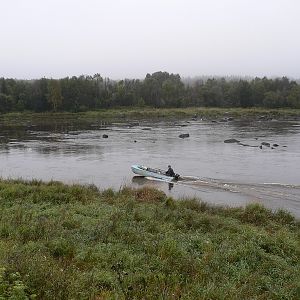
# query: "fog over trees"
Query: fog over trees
{"points": [[160, 89]]}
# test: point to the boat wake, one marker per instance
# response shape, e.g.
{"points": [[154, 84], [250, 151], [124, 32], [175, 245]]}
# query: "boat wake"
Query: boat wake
{"points": [[255, 190], [272, 195]]}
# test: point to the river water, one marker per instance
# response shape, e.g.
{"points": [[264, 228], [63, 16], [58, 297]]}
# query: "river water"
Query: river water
{"points": [[227, 173]]}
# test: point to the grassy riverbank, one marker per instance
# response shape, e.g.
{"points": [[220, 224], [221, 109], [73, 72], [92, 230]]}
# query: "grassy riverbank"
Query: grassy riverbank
{"points": [[75, 242], [150, 113]]}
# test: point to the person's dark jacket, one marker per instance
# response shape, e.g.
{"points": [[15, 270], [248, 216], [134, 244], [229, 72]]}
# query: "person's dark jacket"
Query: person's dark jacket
{"points": [[170, 172]]}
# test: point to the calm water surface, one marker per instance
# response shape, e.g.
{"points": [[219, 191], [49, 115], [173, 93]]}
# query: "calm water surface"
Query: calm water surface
{"points": [[229, 174]]}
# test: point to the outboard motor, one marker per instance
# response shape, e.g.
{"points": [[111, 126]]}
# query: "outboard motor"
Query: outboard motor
{"points": [[176, 177]]}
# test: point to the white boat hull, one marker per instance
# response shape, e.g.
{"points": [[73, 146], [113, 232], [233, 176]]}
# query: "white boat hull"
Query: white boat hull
{"points": [[149, 172]]}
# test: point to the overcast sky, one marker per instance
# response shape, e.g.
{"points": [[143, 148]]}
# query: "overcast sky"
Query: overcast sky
{"points": [[129, 38]]}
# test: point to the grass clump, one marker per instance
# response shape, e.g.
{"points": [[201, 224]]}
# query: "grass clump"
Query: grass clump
{"points": [[75, 242]]}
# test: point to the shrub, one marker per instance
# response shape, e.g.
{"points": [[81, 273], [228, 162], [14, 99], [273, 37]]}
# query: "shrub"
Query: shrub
{"points": [[12, 287], [61, 248], [256, 214], [148, 194]]}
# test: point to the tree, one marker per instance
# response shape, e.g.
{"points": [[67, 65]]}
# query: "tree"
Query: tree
{"points": [[37, 95], [160, 89], [3, 88], [245, 94], [54, 96], [212, 93], [6, 103], [172, 90], [258, 91], [294, 97], [273, 99]]}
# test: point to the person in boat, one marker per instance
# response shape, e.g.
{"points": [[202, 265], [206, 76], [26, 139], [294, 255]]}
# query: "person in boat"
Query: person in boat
{"points": [[170, 171]]}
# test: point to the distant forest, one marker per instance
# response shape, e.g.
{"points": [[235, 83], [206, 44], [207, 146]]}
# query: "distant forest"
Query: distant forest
{"points": [[160, 89]]}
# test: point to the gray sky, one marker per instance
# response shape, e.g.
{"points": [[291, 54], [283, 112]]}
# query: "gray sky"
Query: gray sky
{"points": [[129, 38]]}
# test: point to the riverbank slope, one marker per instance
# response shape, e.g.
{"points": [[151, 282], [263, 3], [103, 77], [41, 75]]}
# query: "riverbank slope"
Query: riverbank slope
{"points": [[62, 242]]}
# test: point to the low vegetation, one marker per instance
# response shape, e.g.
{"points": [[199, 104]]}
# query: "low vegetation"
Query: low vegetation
{"points": [[75, 242], [129, 114]]}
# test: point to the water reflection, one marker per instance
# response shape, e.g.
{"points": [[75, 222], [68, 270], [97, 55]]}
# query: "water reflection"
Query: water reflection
{"points": [[264, 128], [170, 186], [139, 180]]}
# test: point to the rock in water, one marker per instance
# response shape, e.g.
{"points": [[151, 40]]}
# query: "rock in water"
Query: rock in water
{"points": [[105, 136], [133, 124], [265, 144], [184, 135], [231, 141]]}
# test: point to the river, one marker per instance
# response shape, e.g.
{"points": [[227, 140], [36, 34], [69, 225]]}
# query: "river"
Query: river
{"points": [[228, 173]]}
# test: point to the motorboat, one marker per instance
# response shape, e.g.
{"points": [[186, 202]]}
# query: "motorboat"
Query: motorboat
{"points": [[153, 172]]}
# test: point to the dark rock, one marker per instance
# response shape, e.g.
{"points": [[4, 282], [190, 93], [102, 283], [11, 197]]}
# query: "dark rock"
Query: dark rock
{"points": [[146, 128], [213, 121], [184, 135], [266, 144], [262, 117], [105, 136], [135, 141], [260, 147], [231, 141], [134, 124], [226, 119], [245, 145], [275, 145]]}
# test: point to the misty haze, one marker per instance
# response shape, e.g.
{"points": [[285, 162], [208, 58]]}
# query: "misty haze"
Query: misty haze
{"points": [[149, 149]]}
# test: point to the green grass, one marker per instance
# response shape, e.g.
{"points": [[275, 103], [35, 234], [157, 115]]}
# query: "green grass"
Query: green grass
{"points": [[125, 114], [75, 242]]}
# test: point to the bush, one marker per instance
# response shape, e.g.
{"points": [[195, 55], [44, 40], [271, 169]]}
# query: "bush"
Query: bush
{"points": [[256, 214], [61, 248], [12, 287], [148, 194]]}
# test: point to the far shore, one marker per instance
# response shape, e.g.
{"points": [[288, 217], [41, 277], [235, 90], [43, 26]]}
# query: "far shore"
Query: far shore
{"points": [[137, 113]]}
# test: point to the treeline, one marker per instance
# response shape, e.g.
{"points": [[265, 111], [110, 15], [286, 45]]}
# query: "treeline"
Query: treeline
{"points": [[159, 89]]}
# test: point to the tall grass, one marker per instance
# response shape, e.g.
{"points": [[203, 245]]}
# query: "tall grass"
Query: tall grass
{"points": [[75, 242], [24, 118]]}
